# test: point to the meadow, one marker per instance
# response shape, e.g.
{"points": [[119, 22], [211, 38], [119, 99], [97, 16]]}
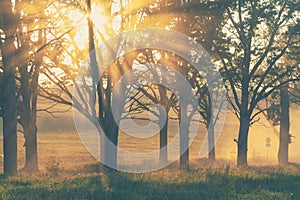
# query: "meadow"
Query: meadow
{"points": [[68, 171], [216, 182]]}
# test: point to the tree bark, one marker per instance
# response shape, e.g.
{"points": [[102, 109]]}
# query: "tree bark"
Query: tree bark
{"points": [[163, 142], [284, 137], [31, 162], [184, 136], [243, 140], [28, 110], [163, 134], [10, 123], [28, 121], [211, 143], [110, 156], [9, 103]]}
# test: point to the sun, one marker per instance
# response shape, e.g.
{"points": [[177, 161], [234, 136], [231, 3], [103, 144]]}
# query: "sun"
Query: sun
{"points": [[99, 19], [79, 21], [72, 28], [99, 24]]}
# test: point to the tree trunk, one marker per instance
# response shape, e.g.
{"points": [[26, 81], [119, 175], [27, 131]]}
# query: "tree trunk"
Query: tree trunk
{"points": [[163, 135], [243, 140], [110, 156], [211, 143], [284, 138], [184, 136], [28, 109], [163, 142], [9, 100], [111, 105], [97, 86], [28, 122], [31, 163], [10, 124]]}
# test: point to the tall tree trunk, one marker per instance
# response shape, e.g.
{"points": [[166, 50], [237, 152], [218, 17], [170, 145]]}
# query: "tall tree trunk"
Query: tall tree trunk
{"points": [[163, 135], [284, 138], [184, 121], [184, 135], [163, 142], [211, 143], [210, 125], [8, 52], [30, 129], [111, 128], [28, 90], [243, 140], [28, 122], [9, 123], [97, 84], [244, 114], [110, 156], [31, 142], [28, 109], [31, 162]]}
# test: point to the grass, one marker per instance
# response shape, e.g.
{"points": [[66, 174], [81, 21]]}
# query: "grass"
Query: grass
{"points": [[68, 171], [223, 182]]}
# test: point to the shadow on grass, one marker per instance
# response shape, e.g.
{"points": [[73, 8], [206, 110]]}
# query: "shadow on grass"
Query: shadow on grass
{"points": [[227, 183]]}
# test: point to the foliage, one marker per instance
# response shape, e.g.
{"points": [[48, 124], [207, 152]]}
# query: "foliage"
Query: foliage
{"points": [[255, 38]]}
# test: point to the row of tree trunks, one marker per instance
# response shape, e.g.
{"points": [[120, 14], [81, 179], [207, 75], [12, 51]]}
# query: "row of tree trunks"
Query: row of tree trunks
{"points": [[284, 135]]}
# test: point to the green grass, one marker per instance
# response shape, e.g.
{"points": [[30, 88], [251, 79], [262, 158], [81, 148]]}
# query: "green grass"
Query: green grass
{"points": [[217, 183], [68, 171]]}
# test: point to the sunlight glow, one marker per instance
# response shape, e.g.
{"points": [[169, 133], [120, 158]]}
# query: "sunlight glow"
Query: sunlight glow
{"points": [[99, 18]]}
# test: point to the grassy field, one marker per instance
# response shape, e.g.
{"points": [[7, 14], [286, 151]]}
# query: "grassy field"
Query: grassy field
{"points": [[216, 182], [68, 171], [58, 136]]}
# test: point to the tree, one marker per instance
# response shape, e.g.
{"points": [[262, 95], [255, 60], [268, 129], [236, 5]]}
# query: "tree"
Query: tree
{"points": [[101, 86], [144, 96], [9, 101], [279, 110], [285, 101], [146, 15], [255, 37], [31, 38]]}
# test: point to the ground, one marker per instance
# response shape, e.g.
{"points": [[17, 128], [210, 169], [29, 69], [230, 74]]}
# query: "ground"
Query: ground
{"points": [[216, 182], [68, 171]]}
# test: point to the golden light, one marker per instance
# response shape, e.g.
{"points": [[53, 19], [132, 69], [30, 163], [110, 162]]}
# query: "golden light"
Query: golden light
{"points": [[99, 19], [78, 20]]}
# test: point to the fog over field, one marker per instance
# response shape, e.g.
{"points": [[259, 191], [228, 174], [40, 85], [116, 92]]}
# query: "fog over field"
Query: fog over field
{"points": [[59, 136]]}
